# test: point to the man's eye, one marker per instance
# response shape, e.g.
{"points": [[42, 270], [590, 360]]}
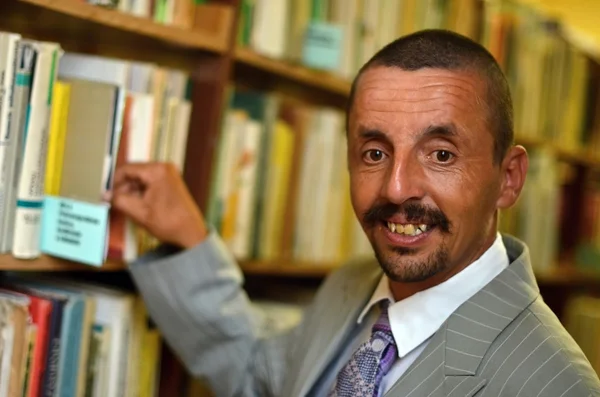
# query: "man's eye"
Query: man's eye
{"points": [[374, 155], [443, 156]]}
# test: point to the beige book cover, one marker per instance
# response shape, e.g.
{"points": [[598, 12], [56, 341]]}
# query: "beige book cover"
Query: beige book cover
{"points": [[90, 126]]}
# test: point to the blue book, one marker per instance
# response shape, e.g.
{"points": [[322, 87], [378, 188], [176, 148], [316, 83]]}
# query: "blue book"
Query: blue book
{"points": [[71, 336], [323, 46]]}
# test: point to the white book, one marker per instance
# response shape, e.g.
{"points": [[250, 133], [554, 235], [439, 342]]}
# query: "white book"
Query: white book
{"points": [[179, 137], [268, 31], [141, 8], [8, 59], [7, 332], [26, 55], [312, 158], [94, 68], [30, 192], [246, 185], [228, 152], [139, 146], [323, 181]]}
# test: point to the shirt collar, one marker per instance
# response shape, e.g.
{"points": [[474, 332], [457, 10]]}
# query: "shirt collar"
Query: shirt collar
{"points": [[416, 318]]}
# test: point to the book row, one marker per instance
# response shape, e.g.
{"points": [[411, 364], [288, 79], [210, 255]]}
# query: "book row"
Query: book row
{"points": [[554, 85], [177, 13], [67, 338], [280, 184], [67, 121]]}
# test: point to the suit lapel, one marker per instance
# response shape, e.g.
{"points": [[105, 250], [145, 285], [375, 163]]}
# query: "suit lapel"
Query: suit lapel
{"points": [[340, 310], [449, 364]]}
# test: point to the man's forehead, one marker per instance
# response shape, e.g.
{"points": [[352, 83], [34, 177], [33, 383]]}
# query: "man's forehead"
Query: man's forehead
{"points": [[389, 83], [387, 90], [392, 99]]}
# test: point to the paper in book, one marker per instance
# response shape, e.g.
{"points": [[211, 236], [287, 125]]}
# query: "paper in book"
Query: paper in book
{"points": [[323, 46], [75, 230]]}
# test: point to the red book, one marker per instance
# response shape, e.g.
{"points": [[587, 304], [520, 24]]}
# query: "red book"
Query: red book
{"points": [[40, 311]]}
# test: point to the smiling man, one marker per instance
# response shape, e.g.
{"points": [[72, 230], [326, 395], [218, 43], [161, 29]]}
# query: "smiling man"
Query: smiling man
{"points": [[450, 307]]}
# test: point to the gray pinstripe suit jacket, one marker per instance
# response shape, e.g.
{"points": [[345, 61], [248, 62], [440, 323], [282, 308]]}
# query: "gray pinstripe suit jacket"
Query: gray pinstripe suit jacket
{"points": [[504, 341]]}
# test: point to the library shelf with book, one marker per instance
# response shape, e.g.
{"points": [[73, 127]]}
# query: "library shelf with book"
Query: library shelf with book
{"points": [[320, 80], [60, 19], [241, 76], [141, 74]]}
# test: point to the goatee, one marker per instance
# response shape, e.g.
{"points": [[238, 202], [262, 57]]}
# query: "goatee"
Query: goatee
{"points": [[397, 264]]}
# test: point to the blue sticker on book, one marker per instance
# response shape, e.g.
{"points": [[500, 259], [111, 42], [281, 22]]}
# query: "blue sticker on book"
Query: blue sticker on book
{"points": [[75, 230], [322, 46]]}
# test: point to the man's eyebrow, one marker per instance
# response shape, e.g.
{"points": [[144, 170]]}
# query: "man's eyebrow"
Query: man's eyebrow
{"points": [[443, 130], [370, 133]]}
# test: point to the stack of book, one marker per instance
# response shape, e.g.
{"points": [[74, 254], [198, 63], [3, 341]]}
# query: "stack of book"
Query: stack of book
{"points": [[67, 121], [277, 28], [281, 187], [60, 337], [177, 13]]}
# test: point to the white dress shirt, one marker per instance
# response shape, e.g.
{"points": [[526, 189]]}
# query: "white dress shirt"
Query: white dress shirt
{"points": [[414, 320]]}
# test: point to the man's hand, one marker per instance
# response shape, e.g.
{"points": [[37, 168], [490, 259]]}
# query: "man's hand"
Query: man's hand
{"points": [[155, 197]]}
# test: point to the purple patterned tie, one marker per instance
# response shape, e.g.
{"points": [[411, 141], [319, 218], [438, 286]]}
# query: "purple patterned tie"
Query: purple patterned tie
{"points": [[362, 375]]}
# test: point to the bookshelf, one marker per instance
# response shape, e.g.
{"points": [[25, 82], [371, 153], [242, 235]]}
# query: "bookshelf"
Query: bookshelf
{"points": [[211, 34], [288, 269], [210, 51], [215, 61], [47, 263], [311, 78]]}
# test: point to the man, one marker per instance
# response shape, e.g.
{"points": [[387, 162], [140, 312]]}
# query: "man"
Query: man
{"points": [[452, 309]]}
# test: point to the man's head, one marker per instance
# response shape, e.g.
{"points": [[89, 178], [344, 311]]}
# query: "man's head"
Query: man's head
{"points": [[430, 153]]}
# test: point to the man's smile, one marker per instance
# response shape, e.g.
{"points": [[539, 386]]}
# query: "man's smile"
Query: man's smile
{"points": [[407, 235]]}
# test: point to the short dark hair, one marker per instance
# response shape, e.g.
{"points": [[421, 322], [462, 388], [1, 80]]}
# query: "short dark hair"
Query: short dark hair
{"points": [[444, 49]]}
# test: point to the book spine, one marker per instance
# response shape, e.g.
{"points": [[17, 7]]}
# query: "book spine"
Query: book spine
{"points": [[50, 376], [25, 61], [26, 244], [7, 79]]}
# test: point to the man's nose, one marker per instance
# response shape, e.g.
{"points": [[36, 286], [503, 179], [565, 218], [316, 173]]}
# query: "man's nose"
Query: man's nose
{"points": [[404, 180]]}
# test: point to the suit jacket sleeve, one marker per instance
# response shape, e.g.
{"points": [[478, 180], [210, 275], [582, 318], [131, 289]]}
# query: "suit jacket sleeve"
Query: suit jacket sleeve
{"points": [[196, 299]]}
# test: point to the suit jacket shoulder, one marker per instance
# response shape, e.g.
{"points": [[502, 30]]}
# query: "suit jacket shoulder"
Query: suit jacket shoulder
{"points": [[535, 356], [502, 342]]}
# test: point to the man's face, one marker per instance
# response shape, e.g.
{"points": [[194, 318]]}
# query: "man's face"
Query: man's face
{"points": [[423, 181]]}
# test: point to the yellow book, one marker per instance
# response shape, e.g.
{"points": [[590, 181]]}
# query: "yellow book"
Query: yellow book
{"points": [[57, 134], [278, 182], [149, 363]]}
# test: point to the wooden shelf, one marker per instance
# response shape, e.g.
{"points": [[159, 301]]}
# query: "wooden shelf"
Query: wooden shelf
{"points": [[47, 263], [569, 156], [568, 275], [565, 274], [313, 78], [79, 26], [287, 269]]}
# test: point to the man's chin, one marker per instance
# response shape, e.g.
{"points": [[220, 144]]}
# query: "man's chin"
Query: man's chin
{"points": [[411, 265]]}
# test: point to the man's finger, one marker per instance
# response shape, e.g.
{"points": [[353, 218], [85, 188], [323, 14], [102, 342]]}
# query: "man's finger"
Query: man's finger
{"points": [[144, 172], [132, 206]]}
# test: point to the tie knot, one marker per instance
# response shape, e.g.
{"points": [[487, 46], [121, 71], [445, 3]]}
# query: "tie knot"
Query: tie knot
{"points": [[383, 322]]}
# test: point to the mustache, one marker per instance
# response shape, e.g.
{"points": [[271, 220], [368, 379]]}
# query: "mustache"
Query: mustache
{"points": [[413, 212]]}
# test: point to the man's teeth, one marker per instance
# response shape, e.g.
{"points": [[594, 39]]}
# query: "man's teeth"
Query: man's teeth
{"points": [[408, 230]]}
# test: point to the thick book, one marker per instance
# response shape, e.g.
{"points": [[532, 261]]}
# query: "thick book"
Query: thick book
{"points": [[75, 221]]}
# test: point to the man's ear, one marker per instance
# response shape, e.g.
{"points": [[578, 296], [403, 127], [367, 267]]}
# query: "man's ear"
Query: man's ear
{"points": [[514, 171]]}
